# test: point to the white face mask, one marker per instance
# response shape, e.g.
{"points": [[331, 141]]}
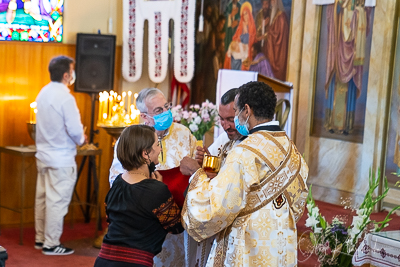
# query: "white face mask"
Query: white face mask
{"points": [[72, 81]]}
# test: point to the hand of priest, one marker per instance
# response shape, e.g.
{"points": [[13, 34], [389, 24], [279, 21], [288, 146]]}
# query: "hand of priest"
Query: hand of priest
{"points": [[156, 175], [189, 166], [200, 151]]}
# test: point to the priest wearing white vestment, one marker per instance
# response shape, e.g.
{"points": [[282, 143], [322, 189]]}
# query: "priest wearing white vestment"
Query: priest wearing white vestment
{"points": [[254, 202], [199, 251]]}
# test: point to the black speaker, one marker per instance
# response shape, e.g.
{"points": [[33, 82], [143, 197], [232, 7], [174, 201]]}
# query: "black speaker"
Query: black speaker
{"points": [[94, 65]]}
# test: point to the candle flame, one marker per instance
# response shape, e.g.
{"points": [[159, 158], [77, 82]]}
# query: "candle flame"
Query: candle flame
{"points": [[135, 95], [129, 93], [123, 94], [33, 105]]}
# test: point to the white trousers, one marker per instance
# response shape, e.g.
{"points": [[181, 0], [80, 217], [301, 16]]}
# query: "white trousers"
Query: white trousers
{"points": [[54, 188]]}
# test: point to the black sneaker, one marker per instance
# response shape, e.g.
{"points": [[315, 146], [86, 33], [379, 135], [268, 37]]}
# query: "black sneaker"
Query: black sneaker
{"points": [[57, 250], [38, 245]]}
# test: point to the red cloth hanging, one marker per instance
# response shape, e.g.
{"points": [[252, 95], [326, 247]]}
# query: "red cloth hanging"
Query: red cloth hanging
{"points": [[184, 87]]}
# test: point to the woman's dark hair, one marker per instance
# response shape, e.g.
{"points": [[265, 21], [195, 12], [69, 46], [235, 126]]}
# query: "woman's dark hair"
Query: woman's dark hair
{"points": [[133, 141], [58, 66], [260, 97]]}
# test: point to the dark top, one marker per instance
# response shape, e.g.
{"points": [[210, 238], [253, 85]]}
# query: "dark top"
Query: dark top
{"points": [[140, 215]]}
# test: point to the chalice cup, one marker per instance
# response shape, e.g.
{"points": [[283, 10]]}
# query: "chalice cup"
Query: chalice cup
{"points": [[211, 163]]}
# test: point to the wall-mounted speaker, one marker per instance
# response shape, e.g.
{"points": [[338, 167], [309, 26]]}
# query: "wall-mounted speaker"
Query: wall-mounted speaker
{"points": [[94, 66]]}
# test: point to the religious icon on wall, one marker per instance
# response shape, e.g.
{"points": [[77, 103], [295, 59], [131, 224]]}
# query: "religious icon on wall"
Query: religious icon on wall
{"points": [[393, 142], [251, 35], [342, 73]]}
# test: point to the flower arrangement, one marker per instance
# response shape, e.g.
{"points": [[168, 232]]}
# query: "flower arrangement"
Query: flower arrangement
{"points": [[199, 119], [335, 243]]}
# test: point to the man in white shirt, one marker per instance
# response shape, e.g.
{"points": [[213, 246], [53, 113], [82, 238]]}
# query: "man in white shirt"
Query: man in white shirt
{"points": [[58, 131]]}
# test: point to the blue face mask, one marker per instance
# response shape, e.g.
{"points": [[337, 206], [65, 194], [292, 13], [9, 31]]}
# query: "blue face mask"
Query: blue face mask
{"points": [[242, 129], [163, 121]]}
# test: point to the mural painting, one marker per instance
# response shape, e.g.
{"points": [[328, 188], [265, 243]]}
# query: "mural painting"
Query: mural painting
{"points": [[248, 35], [342, 72]]}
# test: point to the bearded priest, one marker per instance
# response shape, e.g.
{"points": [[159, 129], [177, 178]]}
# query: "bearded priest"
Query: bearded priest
{"points": [[254, 202], [176, 142]]}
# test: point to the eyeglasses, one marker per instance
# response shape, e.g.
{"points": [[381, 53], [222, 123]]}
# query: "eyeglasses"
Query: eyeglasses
{"points": [[159, 110]]}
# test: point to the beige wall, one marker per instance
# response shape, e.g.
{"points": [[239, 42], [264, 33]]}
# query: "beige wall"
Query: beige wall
{"points": [[89, 16]]}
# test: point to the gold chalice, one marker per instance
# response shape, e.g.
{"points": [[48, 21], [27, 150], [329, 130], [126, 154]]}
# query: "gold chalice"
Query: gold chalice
{"points": [[211, 163]]}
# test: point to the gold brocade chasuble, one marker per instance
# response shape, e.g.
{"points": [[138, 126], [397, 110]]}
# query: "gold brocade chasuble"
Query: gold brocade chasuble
{"points": [[252, 205]]}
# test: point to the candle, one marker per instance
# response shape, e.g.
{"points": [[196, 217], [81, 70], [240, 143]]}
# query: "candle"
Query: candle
{"points": [[123, 98], [132, 112], [105, 106], [32, 116], [99, 118], [114, 108], [110, 105], [129, 102], [135, 96]]}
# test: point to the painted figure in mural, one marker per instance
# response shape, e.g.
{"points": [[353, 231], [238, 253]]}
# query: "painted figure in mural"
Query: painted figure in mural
{"points": [[276, 39], [262, 22], [348, 28], [239, 54], [232, 14], [260, 63]]}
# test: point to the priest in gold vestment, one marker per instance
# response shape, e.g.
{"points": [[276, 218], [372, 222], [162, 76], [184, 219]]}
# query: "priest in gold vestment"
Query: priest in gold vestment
{"points": [[254, 202]]}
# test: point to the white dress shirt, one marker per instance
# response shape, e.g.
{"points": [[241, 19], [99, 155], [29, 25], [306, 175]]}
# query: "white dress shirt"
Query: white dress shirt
{"points": [[58, 126]]}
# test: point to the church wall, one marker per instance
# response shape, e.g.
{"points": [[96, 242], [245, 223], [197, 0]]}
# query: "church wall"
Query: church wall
{"points": [[337, 168]]}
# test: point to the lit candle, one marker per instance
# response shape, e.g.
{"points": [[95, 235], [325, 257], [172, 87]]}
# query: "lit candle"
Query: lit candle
{"points": [[129, 102], [132, 112], [33, 106], [34, 115], [99, 118], [105, 105], [135, 96], [110, 105], [123, 98], [113, 111]]}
